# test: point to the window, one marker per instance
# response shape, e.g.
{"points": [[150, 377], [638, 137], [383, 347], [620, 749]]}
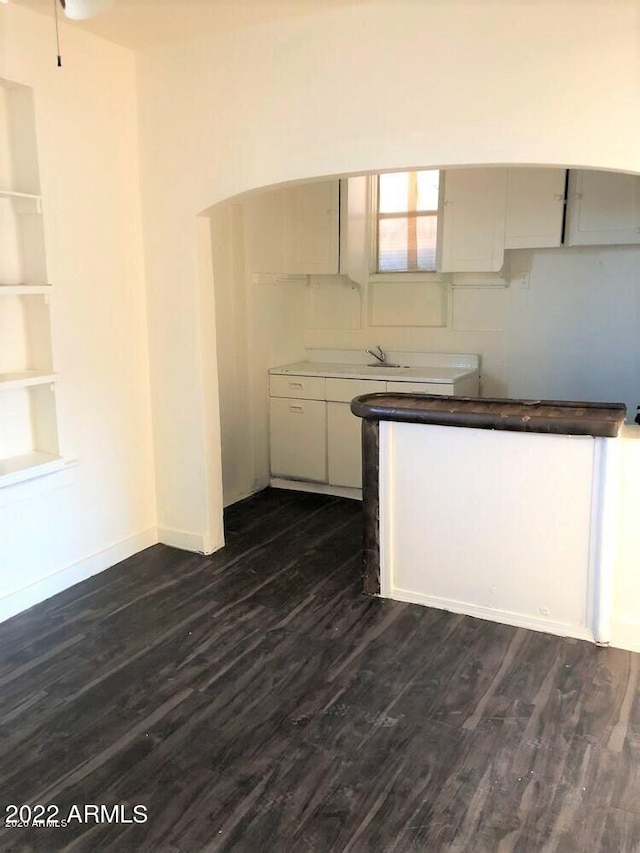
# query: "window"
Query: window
{"points": [[407, 221]]}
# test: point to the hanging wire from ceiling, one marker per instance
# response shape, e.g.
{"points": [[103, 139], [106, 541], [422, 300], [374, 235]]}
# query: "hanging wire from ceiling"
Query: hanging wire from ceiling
{"points": [[55, 12]]}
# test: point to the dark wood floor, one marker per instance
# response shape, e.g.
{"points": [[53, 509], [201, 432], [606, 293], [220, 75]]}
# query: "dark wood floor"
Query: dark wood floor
{"points": [[256, 701]]}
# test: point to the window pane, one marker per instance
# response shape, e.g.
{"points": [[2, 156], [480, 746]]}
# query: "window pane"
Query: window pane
{"points": [[428, 184], [392, 245], [393, 192], [394, 252], [427, 238]]}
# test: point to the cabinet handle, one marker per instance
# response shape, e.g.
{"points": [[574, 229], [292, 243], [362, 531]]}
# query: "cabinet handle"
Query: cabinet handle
{"points": [[295, 385], [296, 409]]}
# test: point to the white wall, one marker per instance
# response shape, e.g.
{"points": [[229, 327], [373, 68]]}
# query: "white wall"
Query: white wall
{"points": [[58, 529], [489, 345], [489, 523], [537, 550], [318, 95], [626, 593], [257, 326], [571, 334], [231, 350]]}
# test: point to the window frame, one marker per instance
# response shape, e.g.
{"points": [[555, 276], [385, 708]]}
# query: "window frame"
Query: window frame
{"points": [[400, 275]]}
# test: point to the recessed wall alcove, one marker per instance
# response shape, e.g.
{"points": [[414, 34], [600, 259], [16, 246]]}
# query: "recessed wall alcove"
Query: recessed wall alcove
{"points": [[555, 318]]}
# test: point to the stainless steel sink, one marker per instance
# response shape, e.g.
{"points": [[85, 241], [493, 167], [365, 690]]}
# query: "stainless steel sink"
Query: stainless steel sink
{"points": [[384, 365]]}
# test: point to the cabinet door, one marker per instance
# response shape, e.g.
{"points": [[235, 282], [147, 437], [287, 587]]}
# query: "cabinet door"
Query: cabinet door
{"points": [[299, 439], [443, 389], [314, 228], [355, 230], [471, 237], [535, 208], [603, 208], [267, 232], [344, 431]]}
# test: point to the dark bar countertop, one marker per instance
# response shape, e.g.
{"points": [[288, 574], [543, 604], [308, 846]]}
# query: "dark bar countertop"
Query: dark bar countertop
{"points": [[557, 417]]}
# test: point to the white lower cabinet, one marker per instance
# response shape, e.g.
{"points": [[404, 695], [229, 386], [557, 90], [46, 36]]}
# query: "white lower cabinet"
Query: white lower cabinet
{"points": [[299, 439], [319, 440], [344, 430], [344, 445]]}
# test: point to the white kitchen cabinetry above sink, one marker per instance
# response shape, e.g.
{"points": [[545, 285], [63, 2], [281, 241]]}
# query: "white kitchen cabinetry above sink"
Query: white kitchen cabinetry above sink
{"points": [[603, 208], [315, 440], [295, 230]]}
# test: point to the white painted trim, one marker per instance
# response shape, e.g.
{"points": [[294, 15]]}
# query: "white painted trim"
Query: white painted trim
{"points": [[386, 504], [607, 468], [199, 543], [505, 617], [318, 488], [213, 537], [426, 277], [22, 599], [593, 566]]}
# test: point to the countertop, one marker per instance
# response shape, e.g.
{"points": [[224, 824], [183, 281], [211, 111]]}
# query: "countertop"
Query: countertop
{"points": [[559, 417], [444, 375]]}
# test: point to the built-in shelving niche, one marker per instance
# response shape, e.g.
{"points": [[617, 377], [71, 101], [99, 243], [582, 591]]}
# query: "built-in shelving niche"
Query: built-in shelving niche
{"points": [[29, 444]]}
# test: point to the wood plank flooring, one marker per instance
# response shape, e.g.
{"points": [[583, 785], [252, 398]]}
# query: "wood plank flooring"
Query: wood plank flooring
{"points": [[256, 701]]}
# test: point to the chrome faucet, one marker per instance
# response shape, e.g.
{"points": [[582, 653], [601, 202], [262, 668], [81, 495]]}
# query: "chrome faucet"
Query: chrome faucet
{"points": [[381, 356]]}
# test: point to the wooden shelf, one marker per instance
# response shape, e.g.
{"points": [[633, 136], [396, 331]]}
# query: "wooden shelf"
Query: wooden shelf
{"points": [[29, 465], [25, 289], [25, 379]]}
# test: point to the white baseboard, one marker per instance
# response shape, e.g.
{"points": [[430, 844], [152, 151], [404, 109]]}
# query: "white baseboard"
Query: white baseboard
{"points": [[22, 599], [506, 617], [186, 541], [626, 635], [316, 488]]}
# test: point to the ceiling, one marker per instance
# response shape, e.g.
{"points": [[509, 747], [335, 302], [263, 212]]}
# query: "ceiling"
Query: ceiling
{"points": [[141, 23]]}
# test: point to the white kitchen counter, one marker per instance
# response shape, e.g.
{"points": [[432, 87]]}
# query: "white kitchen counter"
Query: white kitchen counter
{"points": [[315, 440], [424, 373], [431, 367]]}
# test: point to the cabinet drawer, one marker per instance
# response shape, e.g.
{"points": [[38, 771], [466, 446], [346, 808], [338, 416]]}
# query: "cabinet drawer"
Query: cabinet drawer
{"points": [[344, 390], [443, 389], [299, 439], [298, 387]]}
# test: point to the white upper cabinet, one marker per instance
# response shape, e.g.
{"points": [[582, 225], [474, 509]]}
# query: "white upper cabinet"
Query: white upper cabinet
{"points": [[472, 220], [354, 229], [315, 242], [603, 208], [266, 230], [535, 208], [294, 230]]}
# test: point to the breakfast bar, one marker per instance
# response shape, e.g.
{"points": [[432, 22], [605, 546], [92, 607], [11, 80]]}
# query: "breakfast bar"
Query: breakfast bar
{"points": [[498, 508]]}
